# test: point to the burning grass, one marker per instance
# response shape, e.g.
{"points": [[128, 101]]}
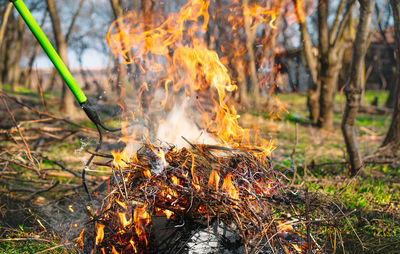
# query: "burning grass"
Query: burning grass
{"points": [[208, 185]]}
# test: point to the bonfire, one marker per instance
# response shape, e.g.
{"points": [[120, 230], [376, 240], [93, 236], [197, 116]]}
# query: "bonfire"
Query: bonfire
{"points": [[201, 185], [200, 197]]}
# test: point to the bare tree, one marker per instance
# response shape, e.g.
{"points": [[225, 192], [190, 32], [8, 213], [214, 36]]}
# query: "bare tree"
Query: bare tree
{"points": [[4, 20], [35, 52], [117, 10], [383, 25], [311, 61], [53, 74], [250, 37], [15, 67], [67, 99], [391, 144], [7, 56], [331, 45], [353, 88], [269, 40], [239, 67]]}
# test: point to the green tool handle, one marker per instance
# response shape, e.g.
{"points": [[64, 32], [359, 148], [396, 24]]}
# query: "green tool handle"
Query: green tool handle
{"points": [[50, 51]]}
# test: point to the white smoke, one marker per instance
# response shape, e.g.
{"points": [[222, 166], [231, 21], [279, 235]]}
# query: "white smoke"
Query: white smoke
{"points": [[177, 125]]}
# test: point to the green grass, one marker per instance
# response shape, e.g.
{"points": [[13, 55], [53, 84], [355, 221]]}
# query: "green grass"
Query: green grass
{"points": [[382, 97], [27, 247], [293, 99], [376, 196], [369, 97], [372, 120], [368, 197], [27, 92], [23, 241], [298, 110]]}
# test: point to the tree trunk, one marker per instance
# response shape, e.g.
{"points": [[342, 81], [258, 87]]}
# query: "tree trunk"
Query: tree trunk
{"points": [[393, 91], [118, 13], [326, 70], [353, 88], [67, 105], [254, 88], [313, 92], [238, 63], [311, 63], [16, 69], [116, 8], [331, 48], [9, 41], [363, 81], [329, 75], [147, 7], [28, 74], [268, 79], [392, 141], [346, 67], [4, 21], [52, 80], [53, 75]]}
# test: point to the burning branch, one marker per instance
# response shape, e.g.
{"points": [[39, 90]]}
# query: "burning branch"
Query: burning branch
{"points": [[242, 194]]}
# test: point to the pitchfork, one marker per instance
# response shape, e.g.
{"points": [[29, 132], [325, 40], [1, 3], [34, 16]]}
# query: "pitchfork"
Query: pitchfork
{"points": [[67, 77]]}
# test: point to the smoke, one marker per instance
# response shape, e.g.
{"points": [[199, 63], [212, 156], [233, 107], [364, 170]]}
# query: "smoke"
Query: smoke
{"points": [[178, 126]]}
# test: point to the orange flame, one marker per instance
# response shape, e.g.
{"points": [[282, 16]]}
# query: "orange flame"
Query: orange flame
{"points": [[133, 246], [79, 241], [260, 15], [284, 226], [175, 180], [229, 188], [124, 221], [122, 204], [100, 234], [159, 153], [141, 219], [213, 181], [195, 179], [132, 35], [192, 65], [147, 173], [114, 251], [168, 213]]}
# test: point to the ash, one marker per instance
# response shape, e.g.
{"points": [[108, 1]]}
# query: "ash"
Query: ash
{"points": [[215, 239]]}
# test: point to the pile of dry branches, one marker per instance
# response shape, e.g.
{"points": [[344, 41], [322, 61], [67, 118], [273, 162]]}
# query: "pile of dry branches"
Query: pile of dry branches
{"points": [[27, 136], [204, 183]]}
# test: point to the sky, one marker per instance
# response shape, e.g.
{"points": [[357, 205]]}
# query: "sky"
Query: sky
{"points": [[92, 59], [90, 32]]}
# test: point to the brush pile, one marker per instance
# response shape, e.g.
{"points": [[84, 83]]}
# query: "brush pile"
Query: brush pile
{"points": [[204, 185]]}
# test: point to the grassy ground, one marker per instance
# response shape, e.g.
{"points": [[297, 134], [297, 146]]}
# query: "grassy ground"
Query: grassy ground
{"points": [[318, 159]]}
